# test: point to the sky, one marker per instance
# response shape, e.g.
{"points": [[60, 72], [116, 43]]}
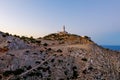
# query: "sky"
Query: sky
{"points": [[98, 19]]}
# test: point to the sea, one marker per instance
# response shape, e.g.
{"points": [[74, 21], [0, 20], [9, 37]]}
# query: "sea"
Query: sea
{"points": [[112, 47]]}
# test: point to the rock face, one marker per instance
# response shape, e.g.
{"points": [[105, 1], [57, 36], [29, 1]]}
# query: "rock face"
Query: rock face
{"points": [[11, 42], [57, 57]]}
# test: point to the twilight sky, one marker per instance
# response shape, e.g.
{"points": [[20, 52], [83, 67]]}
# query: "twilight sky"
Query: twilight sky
{"points": [[99, 19]]}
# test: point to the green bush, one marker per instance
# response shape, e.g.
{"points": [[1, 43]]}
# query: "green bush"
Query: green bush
{"points": [[84, 59], [52, 60], [45, 44], [16, 72], [60, 61], [7, 73], [75, 73], [29, 67], [59, 50]]}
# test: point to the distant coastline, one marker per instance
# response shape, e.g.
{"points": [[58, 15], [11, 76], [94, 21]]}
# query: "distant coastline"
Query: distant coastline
{"points": [[112, 47]]}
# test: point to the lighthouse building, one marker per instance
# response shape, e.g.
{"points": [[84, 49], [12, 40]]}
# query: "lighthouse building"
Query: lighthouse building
{"points": [[63, 31]]}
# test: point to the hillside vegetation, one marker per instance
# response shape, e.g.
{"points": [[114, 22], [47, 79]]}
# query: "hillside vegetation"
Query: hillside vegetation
{"points": [[69, 38], [56, 57]]}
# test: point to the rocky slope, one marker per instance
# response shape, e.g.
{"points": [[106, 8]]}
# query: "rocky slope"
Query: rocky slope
{"points": [[56, 57]]}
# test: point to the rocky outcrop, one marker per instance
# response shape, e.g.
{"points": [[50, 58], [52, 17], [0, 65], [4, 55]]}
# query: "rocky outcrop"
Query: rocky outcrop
{"points": [[11, 42], [78, 58]]}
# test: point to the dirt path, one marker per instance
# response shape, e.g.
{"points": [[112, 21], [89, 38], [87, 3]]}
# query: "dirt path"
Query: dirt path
{"points": [[33, 67]]}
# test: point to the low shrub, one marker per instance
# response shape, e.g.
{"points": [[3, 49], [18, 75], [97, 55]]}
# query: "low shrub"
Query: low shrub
{"points": [[84, 59]]}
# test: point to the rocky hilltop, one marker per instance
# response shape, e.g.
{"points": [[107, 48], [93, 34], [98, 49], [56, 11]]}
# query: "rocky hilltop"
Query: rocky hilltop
{"points": [[56, 57]]}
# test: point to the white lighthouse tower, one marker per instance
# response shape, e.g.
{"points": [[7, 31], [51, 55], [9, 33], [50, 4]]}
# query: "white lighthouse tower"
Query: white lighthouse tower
{"points": [[64, 28], [63, 31]]}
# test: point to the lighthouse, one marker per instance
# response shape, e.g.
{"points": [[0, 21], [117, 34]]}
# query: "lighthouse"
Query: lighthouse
{"points": [[63, 31], [64, 28]]}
